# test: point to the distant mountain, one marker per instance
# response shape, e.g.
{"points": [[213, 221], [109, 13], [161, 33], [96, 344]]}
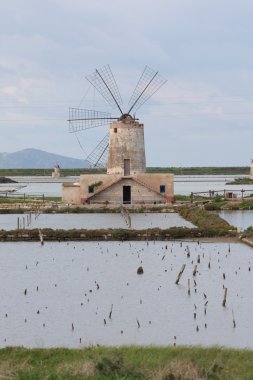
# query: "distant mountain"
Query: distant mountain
{"points": [[38, 159]]}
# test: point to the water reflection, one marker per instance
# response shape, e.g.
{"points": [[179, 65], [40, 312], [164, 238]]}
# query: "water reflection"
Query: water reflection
{"points": [[241, 219], [93, 221], [63, 294]]}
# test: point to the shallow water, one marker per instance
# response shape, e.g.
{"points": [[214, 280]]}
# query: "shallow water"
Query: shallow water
{"points": [[241, 219], [93, 221], [183, 184], [70, 288]]}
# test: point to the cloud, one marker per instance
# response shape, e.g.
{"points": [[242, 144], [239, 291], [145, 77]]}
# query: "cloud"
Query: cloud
{"points": [[203, 48]]}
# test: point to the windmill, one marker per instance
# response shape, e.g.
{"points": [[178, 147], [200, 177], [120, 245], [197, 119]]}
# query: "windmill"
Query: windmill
{"points": [[130, 140]]}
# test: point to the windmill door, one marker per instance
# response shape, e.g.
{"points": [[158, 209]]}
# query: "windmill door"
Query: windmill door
{"points": [[126, 194], [127, 166]]}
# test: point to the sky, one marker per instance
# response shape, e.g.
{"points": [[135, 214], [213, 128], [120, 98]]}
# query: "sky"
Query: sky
{"points": [[202, 116]]}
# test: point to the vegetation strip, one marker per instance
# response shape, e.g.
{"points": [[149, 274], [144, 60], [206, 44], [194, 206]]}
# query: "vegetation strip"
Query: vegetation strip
{"points": [[205, 220], [112, 234], [176, 170], [219, 204], [132, 363], [241, 181]]}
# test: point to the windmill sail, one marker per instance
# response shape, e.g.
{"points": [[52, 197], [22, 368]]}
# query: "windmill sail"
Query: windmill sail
{"points": [[98, 157], [149, 83], [81, 119], [104, 82]]}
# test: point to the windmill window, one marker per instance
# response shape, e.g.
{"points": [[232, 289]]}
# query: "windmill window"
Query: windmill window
{"points": [[91, 189], [115, 130], [162, 188]]}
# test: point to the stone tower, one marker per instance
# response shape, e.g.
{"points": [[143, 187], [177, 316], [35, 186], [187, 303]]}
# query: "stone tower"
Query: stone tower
{"points": [[126, 147]]}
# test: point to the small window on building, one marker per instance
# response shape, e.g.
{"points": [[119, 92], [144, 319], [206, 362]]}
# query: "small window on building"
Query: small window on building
{"points": [[91, 189], [162, 188], [115, 130]]}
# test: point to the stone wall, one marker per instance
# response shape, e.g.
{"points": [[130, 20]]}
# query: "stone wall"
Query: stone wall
{"points": [[155, 180], [71, 193], [139, 193], [145, 188]]}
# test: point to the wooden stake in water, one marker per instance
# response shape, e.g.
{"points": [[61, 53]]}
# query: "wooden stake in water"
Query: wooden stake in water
{"points": [[41, 237], [180, 274], [194, 270], [189, 289], [225, 297], [110, 314], [198, 259], [18, 223], [234, 324]]}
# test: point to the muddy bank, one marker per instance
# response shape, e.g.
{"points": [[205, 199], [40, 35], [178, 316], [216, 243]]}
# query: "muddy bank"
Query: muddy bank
{"points": [[6, 180]]}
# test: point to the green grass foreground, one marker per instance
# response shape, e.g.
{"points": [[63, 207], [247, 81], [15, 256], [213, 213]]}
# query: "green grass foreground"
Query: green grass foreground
{"points": [[133, 363]]}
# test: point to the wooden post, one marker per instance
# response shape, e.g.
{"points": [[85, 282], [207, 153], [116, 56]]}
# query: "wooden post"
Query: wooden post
{"points": [[194, 270], [110, 314], [234, 324], [18, 223], [198, 259], [41, 237], [23, 223], [225, 297], [180, 274], [189, 289]]}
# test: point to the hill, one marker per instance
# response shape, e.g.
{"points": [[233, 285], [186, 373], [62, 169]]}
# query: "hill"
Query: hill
{"points": [[35, 158]]}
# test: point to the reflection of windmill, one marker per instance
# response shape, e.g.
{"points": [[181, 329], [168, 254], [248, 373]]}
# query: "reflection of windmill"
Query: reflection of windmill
{"points": [[104, 82]]}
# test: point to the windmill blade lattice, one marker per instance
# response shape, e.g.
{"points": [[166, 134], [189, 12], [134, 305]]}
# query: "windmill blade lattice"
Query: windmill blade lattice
{"points": [[98, 157], [81, 119], [104, 81], [149, 83]]}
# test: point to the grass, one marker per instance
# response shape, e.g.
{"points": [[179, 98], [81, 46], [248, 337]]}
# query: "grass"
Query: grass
{"points": [[136, 363], [222, 205], [205, 220], [241, 181], [179, 197], [27, 199], [109, 234]]}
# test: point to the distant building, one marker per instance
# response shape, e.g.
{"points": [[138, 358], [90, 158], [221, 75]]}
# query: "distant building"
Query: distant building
{"points": [[251, 170], [56, 173]]}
